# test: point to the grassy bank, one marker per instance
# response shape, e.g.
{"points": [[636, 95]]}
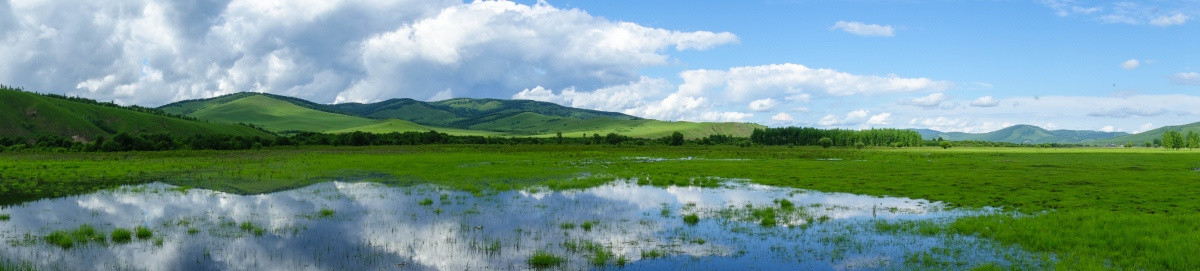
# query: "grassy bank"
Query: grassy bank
{"points": [[1124, 208]]}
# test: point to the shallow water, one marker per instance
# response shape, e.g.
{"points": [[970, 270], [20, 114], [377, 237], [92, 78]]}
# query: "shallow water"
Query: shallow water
{"points": [[381, 227]]}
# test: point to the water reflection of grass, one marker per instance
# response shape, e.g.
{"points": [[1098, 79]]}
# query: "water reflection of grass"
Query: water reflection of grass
{"points": [[1115, 194]]}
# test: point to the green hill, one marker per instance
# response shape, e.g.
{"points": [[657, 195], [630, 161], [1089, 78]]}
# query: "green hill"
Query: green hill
{"points": [[28, 114], [489, 117], [1151, 135], [1025, 134]]}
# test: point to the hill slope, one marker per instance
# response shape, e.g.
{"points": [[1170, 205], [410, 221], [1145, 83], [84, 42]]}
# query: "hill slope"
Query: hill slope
{"points": [[1151, 135], [455, 116], [1025, 134], [31, 115], [285, 114]]}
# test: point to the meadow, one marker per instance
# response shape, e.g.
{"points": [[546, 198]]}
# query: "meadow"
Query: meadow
{"points": [[1088, 208]]}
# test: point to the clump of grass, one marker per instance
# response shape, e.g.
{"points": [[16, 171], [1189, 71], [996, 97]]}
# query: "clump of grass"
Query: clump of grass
{"points": [[121, 235], [622, 261], [83, 234], [602, 257], [326, 213], [5, 217], [192, 231], [143, 232], [567, 225], [587, 225], [252, 228], [437, 211], [766, 216], [61, 239], [653, 253], [785, 204], [691, 219], [543, 259], [425, 202]]}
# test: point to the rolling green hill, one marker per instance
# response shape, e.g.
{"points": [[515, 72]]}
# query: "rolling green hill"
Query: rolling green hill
{"points": [[488, 117], [28, 114], [1025, 134], [1151, 135]]}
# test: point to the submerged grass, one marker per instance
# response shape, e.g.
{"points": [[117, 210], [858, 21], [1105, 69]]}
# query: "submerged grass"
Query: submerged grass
{"points": [[1143, 199]]}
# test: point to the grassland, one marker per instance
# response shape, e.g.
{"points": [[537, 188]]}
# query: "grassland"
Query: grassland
{"points": [[1091, 208], [29, 115]]}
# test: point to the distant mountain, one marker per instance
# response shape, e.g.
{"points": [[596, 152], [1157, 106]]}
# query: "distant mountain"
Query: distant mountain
{"points": [[1025, 134], [461, 116], [1151, 135], [28, 114]]}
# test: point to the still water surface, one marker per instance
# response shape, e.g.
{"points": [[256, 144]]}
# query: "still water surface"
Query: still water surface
{"points": [[375, 227]]}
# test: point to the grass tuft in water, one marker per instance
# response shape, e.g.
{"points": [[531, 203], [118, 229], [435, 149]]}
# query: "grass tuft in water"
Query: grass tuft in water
{"points": [[425, 202], [653, 253], [326, 213], [567, 225], [121, 235], [543, 259], [691, 219], [602, 257], [587, 225], [143, 232], [5, 217], [252, 228], [83, 234], [60, 239]]}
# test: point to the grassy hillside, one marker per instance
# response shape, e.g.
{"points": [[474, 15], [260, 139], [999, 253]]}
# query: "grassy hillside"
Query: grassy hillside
{"points": [[487, 117], [398, 125], [277, 115], [1025, 134], [30, 115], [1148, 136]]}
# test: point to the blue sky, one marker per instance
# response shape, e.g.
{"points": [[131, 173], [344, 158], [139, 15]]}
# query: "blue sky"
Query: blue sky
{"points": [[971, 66]]}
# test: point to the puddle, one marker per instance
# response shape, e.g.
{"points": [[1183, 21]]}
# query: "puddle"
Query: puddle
{"points": [[372, 226]]}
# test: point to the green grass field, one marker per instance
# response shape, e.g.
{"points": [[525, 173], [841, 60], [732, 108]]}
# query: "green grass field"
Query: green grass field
{"points": [[1089, 208]]}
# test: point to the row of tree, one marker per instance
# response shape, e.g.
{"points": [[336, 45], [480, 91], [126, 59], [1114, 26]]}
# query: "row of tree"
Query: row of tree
{"points": [[1177, 140], [808, 136]]}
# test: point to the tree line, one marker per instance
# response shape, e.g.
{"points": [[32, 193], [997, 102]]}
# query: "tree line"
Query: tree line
{"points": [[164, 141], [808, 136]]}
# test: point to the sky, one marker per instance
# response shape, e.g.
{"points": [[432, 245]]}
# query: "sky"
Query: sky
{"points": [[965, 66]]}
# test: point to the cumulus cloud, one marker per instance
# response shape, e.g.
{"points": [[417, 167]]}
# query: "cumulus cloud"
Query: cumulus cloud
{"points": [[745, 83], [1108, 128], [1145, 127], [933, 100], [617, 98], [156, 51], [785, 117], [858, 119], [763, 104], [1131, 64], [863, 29], [985, 101], [1186, 78]]}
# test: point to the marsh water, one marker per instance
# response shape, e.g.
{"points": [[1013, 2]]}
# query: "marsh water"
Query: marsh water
{"points": [[370, 226]]}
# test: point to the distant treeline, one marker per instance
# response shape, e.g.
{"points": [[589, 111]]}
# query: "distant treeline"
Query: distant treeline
{"points": [[164, 141], [807, 136]]}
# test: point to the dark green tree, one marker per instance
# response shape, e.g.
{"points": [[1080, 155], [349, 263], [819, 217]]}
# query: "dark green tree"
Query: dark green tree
{"points": [[825, 142], [676, 139]]}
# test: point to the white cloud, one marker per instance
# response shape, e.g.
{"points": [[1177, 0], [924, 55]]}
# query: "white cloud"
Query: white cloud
{"points": [[782, 117], [1145, 127], [985, 101], [1108, 128], [1165, 20], [618, 98], [155, 51], [933, 100], [752, 82], [863, 29], [763, 104], [1131, 64], [881, 119], [725, 116], [1159, 13], [859, 119], [1186, 78]]}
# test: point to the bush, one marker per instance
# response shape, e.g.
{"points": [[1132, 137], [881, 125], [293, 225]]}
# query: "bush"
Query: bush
{"points": [[825, 142], [945, 144]]}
